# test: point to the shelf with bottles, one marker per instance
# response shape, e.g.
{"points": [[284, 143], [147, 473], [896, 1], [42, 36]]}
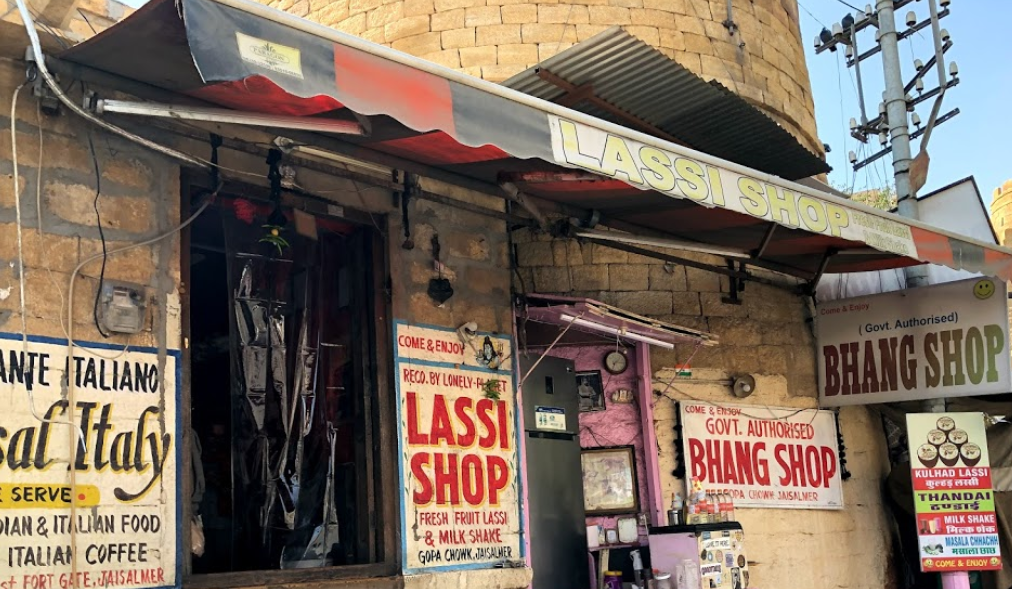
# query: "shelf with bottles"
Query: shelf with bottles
{"points": [[702, 507]]}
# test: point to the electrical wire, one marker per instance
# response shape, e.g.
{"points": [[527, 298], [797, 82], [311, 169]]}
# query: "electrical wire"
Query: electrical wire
{"points": [[812, 15], [101, 235], [22, 305], [40, 65], [851, 6]]}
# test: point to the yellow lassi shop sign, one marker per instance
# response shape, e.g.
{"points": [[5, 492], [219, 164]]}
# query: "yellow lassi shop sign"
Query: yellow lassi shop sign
{"points": [[88, 489], [650, 168]]}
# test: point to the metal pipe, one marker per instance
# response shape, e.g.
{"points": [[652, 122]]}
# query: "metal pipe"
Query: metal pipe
{"points": [[939, 58], [857, 71], [667, 243], [252, 149], [40, 65], [222, 115]]}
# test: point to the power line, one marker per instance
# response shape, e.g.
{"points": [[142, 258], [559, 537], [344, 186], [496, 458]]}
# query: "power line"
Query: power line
{"points": [[812, 15], [851, 6]]}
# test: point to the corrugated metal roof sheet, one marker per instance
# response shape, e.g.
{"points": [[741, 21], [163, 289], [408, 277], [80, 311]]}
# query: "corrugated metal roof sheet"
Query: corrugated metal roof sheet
{"points": [[640, 80]]}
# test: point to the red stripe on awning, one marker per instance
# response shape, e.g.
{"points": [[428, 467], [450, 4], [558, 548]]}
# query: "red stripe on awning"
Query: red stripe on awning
{"points": [[700, 219], [374, 85], [439, 149], [260, 94], [932, 247]]}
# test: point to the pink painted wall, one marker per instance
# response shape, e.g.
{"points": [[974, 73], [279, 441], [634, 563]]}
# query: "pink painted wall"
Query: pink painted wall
{"points": [[617, 425]]}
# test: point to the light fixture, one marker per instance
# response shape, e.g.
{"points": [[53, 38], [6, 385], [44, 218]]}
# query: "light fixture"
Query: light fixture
{"points": [[616, 331], [289, 146], [658, 242], [222, 115]]}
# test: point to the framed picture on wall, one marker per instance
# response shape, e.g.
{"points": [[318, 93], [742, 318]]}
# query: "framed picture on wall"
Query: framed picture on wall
{"points": [[591, 390], [609, 481]]}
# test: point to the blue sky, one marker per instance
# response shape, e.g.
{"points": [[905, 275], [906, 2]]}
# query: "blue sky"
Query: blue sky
{"points": [[977, 142]]}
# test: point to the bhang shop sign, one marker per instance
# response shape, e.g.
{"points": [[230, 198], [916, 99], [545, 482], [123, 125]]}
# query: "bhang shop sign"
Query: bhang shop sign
{"points": [[784, 458], [122, 532], [947, 340], [458, 434]]}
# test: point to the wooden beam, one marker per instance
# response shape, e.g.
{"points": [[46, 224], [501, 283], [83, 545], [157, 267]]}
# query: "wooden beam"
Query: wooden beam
{"points": [[585, 92], [577, 95]]}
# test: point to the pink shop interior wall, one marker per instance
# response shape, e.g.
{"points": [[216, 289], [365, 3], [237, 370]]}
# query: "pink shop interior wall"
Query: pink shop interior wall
{"points": [[617, 425]]}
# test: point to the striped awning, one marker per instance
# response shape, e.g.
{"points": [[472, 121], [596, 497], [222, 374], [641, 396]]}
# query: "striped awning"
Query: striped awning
{"points": [[248, 57]]}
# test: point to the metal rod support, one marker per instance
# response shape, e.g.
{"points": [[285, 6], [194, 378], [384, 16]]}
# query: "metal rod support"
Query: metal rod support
{"points": [[913, 135]]}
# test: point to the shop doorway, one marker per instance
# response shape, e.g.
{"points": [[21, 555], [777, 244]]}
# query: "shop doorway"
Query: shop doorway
{"points": [[282, 340]]}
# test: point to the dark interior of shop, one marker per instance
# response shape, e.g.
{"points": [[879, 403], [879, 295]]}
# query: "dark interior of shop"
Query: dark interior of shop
{"points": [[279, 328]]}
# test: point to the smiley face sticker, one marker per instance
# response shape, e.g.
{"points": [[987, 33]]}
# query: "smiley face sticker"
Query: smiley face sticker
{"points": [[983, 289]]}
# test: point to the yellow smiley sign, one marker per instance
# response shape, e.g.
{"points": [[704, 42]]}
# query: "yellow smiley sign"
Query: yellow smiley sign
{"points": [[983, 289]]}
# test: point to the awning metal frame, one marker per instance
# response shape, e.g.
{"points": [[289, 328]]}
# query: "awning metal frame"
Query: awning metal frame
{"points": [[399, 190], [457, 120]]}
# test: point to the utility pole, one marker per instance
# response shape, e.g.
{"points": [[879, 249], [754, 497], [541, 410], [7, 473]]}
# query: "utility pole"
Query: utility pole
{"points": [[892, 124], [897, 124]]}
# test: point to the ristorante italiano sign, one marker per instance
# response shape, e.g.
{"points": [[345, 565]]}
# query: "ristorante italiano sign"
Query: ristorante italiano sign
{"points": [[88, 486]]}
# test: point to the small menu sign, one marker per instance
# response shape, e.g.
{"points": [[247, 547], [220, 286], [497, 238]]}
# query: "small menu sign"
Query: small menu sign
{"points": [[953, 499]]}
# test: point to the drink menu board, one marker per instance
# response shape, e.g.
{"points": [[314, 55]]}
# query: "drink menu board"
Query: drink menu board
{"points": [[460, 470], [953, 499]]}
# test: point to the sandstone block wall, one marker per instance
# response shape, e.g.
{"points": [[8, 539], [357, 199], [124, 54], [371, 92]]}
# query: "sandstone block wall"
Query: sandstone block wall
{"points": [[1001, 212], [475, 257], [495, 39], [768, 333], [768, 336], [140, 197]]}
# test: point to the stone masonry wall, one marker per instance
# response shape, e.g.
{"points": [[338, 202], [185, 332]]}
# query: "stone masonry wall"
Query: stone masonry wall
{"points": [[768, 336], [495, 39], [140, 196], [1001, 212]]}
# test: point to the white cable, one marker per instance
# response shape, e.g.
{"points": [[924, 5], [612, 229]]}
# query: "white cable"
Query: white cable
{"points": [[155, 239], [40, 64], [22, 307]]}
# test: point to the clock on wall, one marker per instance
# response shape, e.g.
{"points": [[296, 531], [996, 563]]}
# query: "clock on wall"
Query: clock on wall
{"points": [[616, 362]]}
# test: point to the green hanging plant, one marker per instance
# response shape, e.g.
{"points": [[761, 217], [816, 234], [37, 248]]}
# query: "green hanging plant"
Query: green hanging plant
{"points": [[274, 238], [491, 389]]}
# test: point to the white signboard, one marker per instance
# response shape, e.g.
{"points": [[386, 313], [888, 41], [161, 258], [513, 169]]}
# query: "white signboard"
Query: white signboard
{"points": [[458, 432], [550, 418], [576, 145], [121, 531], [947, 340], [772, 458]]}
